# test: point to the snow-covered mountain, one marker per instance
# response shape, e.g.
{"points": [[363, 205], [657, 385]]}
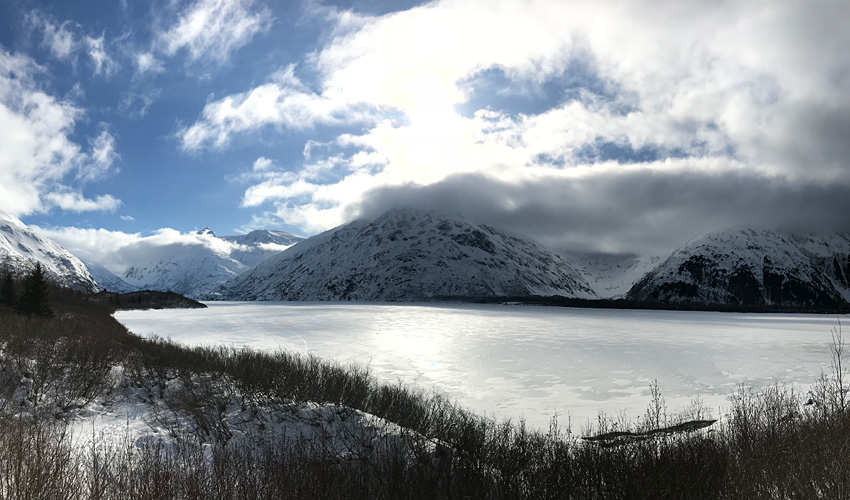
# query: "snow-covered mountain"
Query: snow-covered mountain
{"points": [[830, 255], [21, 248], [107, 280], [405, 255], [261, 244], [198, 269], [611, 276], [753, 269]]}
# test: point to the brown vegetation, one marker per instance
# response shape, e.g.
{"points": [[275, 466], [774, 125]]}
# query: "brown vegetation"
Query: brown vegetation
{"points": [[771, 444]]}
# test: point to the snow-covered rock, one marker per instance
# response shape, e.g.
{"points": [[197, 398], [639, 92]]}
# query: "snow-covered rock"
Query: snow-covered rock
{"points": [[198, 270], [753, 269], [405, 255], [22, 247]]}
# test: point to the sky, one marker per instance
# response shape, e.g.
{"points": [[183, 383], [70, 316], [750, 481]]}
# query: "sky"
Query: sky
{"points": [[610, 126]]}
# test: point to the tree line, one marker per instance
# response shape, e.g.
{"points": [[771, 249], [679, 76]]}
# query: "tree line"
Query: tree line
{"points": [[30, 296]]}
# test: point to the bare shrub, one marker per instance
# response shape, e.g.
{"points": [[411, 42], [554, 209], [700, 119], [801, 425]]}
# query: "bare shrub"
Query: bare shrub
{"points": [[37, 462]]}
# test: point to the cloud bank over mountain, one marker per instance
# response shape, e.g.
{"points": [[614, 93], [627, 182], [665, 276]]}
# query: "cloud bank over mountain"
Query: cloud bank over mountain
{"points": [[665, 119], [613, 126]]}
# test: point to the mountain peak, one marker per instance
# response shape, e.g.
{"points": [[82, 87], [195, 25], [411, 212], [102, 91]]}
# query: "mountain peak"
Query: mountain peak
{"points": [[206, 232], [407, 255]]}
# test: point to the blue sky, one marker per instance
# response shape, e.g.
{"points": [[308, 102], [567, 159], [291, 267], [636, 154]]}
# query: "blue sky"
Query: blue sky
{"points": [[605, 126]]}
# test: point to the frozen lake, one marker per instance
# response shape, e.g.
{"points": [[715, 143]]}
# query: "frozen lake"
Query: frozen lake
{"points": [[523, 361]]}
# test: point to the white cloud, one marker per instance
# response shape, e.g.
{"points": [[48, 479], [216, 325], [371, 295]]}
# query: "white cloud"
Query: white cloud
{"points": [[731, 86], [103, 63], [128, 218], [284, 102], [65, 39], [36, 152], [214, 29], [117, 250], [102, 157], [146, 62], [76, 202], [261, 164], [94, 245], [57, 38], [414, 60], [259, 221], [273, 247]]}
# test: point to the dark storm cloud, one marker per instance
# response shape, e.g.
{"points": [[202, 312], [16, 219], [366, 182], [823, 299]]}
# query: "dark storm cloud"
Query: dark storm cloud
{"points": [[814, 137], [637, 211]]}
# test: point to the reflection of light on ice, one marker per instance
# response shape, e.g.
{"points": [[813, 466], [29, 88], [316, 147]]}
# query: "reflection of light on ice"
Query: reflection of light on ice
{"points": [[513, 361]]}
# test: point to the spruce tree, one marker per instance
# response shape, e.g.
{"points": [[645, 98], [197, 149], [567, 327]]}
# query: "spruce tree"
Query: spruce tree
{"points": [[7, 289], [35, 298]]}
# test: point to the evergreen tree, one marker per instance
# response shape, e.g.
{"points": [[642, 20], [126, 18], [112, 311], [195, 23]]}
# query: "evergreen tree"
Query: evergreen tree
{"points": [[7, 289], [35, 297]]}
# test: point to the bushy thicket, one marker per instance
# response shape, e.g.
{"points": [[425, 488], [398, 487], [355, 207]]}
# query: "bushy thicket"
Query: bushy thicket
{"points": [[771, 444]]}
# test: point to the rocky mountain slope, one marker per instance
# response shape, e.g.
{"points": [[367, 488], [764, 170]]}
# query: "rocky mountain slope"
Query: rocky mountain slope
{"points": [[197, 270], [752, 268], [21, 248], [405, 255]]}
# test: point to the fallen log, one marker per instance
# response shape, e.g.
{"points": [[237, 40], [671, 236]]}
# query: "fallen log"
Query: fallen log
{"points": [[618, 438]]}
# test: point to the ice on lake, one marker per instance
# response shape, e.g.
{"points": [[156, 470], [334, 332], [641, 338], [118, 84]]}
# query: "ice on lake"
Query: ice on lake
{"points": [[521, 361]]}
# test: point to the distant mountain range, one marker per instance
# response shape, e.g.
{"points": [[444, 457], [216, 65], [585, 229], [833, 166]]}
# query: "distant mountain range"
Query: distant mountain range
{"points": [[405, 255], [198, 270]]}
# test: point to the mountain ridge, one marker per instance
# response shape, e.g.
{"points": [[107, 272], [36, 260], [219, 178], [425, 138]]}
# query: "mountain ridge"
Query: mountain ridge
{"points": [[752, 268], [405, 255], [21, 247]]}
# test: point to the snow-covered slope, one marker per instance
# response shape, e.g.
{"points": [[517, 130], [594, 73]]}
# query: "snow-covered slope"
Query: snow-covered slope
{"points": [[611, 276], [830, 255], [261, 244], [191, 270], [197, 270], [405, 255], [108, 281], [21, 248], [753, 269]]}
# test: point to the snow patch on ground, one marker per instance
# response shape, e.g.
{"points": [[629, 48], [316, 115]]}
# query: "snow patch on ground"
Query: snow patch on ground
{"points": [[131, 416]]}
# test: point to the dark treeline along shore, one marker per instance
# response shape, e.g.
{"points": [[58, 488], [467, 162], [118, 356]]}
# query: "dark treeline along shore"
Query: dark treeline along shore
{"points": [[561, 301], [770, 444]]}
